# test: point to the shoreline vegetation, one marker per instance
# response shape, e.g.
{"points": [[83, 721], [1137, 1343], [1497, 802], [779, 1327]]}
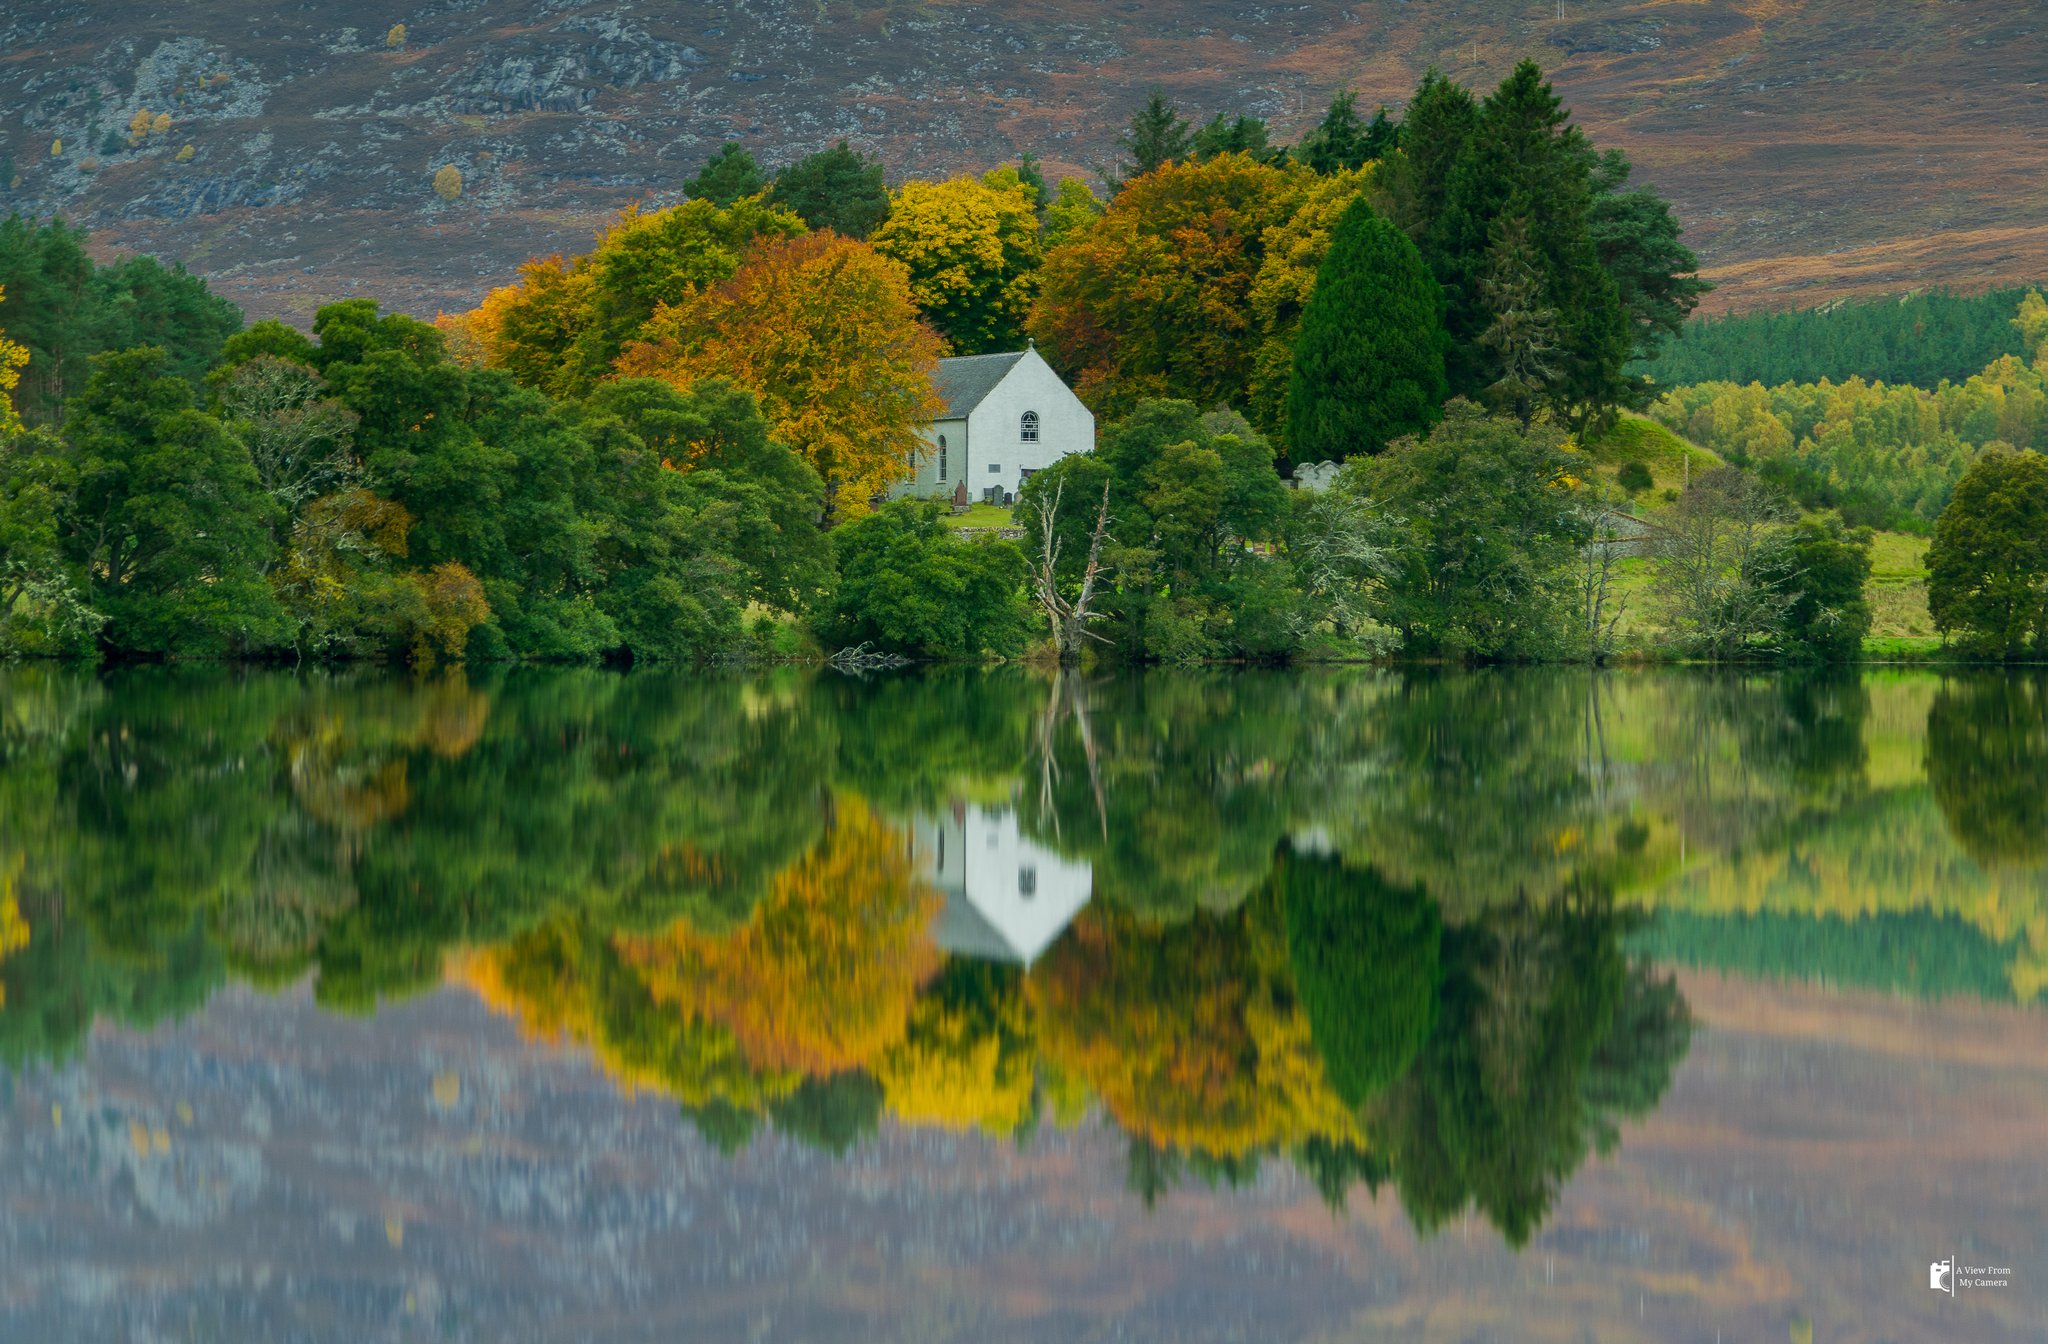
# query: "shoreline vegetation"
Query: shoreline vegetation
{"points": [[681, 447]]}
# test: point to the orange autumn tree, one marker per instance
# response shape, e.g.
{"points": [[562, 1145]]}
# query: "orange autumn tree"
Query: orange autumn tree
{"points": [[563, 981], [560, 326], [823, 977], [824, 331], [1155, 299]]}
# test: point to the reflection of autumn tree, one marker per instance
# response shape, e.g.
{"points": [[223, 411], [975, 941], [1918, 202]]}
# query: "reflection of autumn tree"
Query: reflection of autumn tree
{"points": [[822, 977], [1987, 758], [967, 1060], [565, 980], [1189, 1034]]}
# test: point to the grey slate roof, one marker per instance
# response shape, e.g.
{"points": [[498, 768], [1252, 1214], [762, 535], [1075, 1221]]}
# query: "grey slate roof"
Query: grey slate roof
{"points": [[963, 382]]}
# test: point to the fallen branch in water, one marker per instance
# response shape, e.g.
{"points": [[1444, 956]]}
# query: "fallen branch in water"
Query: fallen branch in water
{"points": [[863, 658]]}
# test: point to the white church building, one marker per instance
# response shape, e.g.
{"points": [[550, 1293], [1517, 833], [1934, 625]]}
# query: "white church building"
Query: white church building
{"points": [[1006, 416]]}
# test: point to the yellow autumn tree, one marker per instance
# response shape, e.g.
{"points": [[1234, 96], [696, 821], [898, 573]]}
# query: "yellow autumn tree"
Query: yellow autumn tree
{"points": [[823, 330], [138, 125], [160, 123], [1285, 281], [448, 182], [971, 246], [823, 975], [13, 355], [395, 38]]}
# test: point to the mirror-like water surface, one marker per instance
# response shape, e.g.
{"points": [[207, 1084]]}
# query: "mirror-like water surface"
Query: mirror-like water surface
{"points": [[1512, 1005]]}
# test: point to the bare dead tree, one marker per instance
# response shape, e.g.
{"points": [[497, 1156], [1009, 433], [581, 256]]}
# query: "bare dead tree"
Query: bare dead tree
{"points": [[1070, 617]]}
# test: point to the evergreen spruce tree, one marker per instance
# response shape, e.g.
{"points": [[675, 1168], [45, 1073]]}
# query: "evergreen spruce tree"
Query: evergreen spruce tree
{"points": [[728, 175], [1525, 156], [1522, 337], [1158, 134], [1338, 141], [1369, 363], [1382, 135], [1234, 135], [1434, 134]]}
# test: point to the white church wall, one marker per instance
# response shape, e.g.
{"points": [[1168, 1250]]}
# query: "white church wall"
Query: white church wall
{"points": [[998, 452]]}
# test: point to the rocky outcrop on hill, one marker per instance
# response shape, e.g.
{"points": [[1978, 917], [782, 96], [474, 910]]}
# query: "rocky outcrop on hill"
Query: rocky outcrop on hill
{"points": [[289, 153]]}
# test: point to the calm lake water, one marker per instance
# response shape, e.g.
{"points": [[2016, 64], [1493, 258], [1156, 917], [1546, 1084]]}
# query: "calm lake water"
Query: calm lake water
{"points": [[1532, 1005]]}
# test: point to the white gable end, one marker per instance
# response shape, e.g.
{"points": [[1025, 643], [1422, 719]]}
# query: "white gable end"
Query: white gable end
{"points": [[1030, 420], [1025, 421]]}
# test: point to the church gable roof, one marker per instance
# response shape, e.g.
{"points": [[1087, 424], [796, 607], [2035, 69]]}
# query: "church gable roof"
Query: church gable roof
{"points": [[963, 382]]}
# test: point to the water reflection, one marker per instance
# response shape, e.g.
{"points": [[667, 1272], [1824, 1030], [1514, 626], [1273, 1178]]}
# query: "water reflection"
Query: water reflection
{"points": [[1389, 930]]}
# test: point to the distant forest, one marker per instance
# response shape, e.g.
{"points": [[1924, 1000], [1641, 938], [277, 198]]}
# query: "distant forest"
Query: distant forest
{"points": [[1915, 338]]}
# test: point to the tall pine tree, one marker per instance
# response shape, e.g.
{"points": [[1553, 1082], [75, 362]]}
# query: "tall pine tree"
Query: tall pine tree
{"points": [[1433, 137], [1158, 135], [1369, 363], [1524, 157]]}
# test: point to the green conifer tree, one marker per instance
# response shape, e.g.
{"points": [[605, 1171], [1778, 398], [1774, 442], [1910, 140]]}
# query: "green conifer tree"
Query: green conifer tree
{"points": [[1433, 136], [1339, 141], [1525, 156], [1234, 135], [1158, 134], [726, 176], [1369, 363], [839, 189]]}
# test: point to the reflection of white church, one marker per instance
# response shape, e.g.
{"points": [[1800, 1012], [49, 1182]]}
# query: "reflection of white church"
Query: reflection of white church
{"points": [[1007, 896]]}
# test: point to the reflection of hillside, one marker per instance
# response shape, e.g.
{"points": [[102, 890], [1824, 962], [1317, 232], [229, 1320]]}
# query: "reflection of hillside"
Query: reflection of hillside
{"points": [[1889, 855]]}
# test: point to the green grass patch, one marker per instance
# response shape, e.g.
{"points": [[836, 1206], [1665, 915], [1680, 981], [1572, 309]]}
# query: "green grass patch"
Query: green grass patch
{"points": [[1898, 555], [1916, 648], [980, 515]]}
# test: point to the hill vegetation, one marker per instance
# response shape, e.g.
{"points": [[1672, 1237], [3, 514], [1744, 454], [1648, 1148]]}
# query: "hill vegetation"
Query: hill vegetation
{"points": [[1815, 150], [1923, 339]]}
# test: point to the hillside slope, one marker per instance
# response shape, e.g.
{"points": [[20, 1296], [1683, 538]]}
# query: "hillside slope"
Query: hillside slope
{"points": [[1812, 148]]}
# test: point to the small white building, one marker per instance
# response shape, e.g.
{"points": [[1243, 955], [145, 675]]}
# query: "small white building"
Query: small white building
{"points": [[1008, 897], [1006, 416]]}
